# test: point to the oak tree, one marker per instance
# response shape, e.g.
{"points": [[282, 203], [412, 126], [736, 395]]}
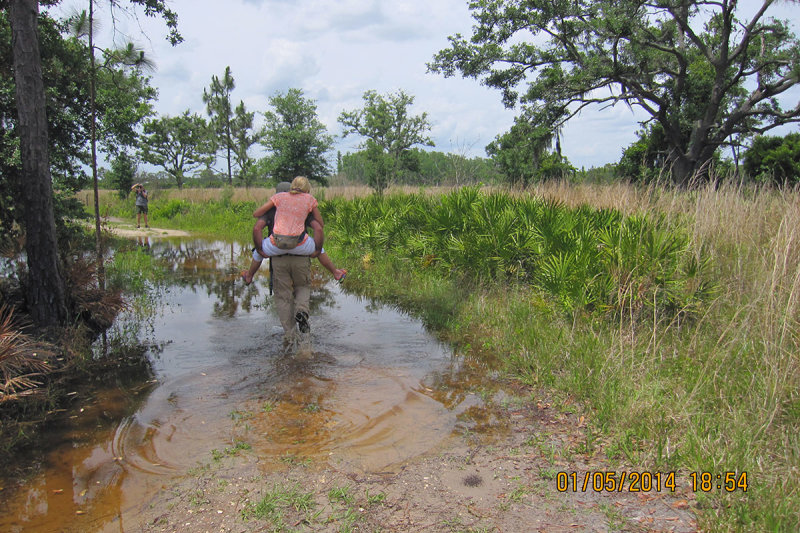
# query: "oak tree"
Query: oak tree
{"points": [[701, 70], [177, 144], [296, 139], [390, 133]]}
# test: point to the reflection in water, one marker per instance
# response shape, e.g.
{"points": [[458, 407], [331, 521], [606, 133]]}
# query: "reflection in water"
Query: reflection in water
{"points": [[377, 391]]}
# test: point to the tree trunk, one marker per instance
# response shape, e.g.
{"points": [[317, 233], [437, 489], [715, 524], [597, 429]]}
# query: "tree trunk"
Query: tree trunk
{"points": [[98, 241], [682, 171], [687, 172], [46, 295]]}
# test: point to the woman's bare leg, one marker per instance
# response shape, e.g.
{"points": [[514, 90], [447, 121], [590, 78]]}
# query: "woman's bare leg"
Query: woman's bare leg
{"points": [[247, 275]]}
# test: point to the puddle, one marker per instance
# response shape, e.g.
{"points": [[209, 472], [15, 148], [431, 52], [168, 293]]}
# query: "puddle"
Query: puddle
{"points": [[377, 390]]}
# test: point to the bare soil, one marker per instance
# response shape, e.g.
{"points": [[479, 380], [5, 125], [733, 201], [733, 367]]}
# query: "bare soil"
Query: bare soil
{"points": [[504, 483], [124, 228]]}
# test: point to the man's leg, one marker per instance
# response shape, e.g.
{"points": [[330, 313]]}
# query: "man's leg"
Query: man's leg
{"points": [[301, 279], [284, 293]]}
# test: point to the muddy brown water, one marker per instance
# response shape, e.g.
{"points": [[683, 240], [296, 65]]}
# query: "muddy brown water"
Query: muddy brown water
{"points": [[377, 390]]}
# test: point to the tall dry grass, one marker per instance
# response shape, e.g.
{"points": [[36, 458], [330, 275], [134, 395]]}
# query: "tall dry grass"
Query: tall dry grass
{"points": [[738, 406]]}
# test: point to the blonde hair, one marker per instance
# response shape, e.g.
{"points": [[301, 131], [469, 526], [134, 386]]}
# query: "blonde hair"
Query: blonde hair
{"points": [[300, 184]]}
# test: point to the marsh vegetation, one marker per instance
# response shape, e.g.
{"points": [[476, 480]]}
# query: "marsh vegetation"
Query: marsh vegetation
{"points": [[670, 317]]}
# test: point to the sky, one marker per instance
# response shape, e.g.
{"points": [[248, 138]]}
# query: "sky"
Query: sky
{"points": [[335, 50]]}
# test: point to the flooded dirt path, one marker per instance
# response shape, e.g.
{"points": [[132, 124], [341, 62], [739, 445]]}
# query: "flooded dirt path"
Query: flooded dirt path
{"points": [[224, 414]]}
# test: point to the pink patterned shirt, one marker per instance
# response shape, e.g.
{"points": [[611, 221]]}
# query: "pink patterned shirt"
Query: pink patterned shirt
{"points": [[291, 211]]}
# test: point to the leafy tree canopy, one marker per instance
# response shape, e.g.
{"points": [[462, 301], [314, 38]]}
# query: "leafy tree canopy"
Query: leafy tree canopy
{"points": [[243, 139], [64, 62], [389, 131], [774, 159], [179, 144], [697, 68], [122, 174], [298, 141], [430, 168], [218, 105]]}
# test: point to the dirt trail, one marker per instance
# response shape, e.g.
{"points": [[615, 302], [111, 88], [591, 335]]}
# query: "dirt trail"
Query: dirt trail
{"points": [[124, 228], [504, 484]]}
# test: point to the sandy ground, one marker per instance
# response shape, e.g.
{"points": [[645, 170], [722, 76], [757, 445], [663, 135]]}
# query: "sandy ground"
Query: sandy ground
{"points": [[125, 228], [472, 484]]}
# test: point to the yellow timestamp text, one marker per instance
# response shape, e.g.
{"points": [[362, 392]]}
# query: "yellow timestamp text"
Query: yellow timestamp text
{"points": [[710, 481], [634, 481], [612, 481]]}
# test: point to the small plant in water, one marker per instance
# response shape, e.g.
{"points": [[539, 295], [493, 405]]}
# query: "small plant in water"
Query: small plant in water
{"points": [[313, 407], [372, 499], [241, 415], [295, 460]]}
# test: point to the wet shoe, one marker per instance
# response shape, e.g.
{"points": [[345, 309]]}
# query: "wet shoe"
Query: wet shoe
{"points": [[301, 317]]}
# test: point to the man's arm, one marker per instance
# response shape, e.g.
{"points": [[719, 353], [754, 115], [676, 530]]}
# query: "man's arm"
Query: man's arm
{"points": [[319, 237], [258, 235], [263, 209], [318, 217]]}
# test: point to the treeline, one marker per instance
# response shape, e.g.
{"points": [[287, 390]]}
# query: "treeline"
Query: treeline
{"points": [[425, 168]]}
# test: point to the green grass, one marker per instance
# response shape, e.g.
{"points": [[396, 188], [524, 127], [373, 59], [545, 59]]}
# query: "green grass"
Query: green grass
{"points": [[341, 495], [189, 210], [229, 451], [279, 501], [133, 270]]}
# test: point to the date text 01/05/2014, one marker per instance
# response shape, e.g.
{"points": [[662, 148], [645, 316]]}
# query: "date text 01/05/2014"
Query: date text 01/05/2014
{"points": [[612, 481]]}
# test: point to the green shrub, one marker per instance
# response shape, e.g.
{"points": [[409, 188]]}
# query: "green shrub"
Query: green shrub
{"points": [[170, 209], [585, 258], [774, 159]]}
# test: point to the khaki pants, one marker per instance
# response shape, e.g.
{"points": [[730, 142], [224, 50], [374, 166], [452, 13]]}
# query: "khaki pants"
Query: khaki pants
{"points": [[292, 285]]}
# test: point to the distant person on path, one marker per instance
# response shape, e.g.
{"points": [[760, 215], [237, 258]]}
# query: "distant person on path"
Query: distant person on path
{"points": [[267, 220], [141, 204]]}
